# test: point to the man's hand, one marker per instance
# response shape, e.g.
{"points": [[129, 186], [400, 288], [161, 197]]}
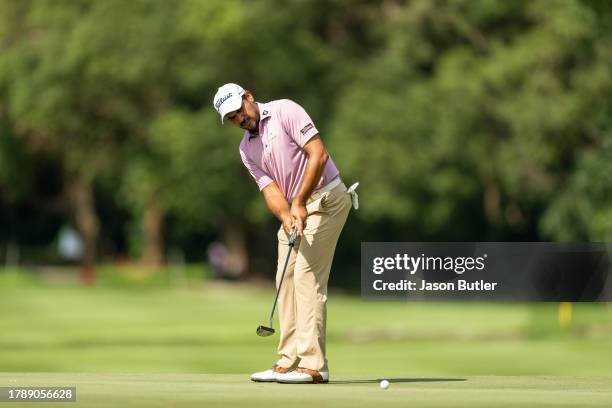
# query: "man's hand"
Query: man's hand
{"points": [[288, 223], [299, 213]]}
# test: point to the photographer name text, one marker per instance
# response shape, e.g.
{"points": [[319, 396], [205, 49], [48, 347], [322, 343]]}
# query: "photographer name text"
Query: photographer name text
{"points": [[426, 286]]}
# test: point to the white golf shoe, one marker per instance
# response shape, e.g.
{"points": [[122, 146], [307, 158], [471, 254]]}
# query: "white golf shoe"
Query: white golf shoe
{"points": [[303, 376], [269, 375], [264, 376]]}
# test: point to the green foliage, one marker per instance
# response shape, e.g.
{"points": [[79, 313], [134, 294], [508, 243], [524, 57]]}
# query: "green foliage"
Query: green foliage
{"points": [[201, 167], [583, 208], [463, 120], [463, 109], [14, 167]]}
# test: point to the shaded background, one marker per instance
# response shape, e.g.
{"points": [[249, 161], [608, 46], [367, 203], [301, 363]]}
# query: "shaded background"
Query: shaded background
{"points": [[463, 120]]}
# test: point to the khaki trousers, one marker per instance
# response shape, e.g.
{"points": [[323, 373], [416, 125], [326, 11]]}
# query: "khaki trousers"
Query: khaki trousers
{"points": [[302, 302]]}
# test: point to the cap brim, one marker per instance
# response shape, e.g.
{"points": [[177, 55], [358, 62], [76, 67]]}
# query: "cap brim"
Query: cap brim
{"points": [[230, 105]]}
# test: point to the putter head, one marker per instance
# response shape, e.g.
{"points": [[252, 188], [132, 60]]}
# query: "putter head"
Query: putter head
{"points": [[264, 331]]}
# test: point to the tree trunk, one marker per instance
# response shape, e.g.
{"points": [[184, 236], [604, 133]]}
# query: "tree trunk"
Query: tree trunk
{"points": [[492, 203], [152, 229], [234, 238], [85, 219]]}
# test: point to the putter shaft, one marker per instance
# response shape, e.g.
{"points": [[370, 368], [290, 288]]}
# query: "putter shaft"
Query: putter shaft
{"points": [[267, 331], [291, 245]]}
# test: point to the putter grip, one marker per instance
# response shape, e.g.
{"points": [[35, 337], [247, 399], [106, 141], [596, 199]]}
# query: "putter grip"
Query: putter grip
{"points": [[292, 237]]}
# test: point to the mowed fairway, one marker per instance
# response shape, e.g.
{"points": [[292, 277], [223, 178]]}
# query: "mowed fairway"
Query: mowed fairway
{"points": [[196, 347]]}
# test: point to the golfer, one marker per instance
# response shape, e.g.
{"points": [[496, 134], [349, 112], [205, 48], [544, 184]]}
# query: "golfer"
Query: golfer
{"points": [[284, 153]]}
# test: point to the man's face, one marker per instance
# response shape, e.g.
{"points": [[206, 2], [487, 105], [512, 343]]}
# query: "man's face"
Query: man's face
{"points": [[247, 117]]}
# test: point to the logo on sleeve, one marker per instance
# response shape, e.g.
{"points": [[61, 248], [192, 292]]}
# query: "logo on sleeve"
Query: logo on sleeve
{"points": [[306, 128]]}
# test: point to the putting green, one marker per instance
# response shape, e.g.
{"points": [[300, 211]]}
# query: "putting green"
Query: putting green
{"points": [[234, 390]]}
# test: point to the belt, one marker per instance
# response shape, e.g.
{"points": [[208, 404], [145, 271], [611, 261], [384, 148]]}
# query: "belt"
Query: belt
{"points": [[328, 187], [335, 183]]}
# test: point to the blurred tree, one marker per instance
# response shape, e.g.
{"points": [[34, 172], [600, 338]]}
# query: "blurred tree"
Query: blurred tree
{"points": [[474, 109], [463, 119], [583, 209], [42, 102], [115, 92]]}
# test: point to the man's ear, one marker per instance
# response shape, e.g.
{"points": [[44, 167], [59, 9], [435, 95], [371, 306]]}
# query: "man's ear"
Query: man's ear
{"points": [[249, 96]]}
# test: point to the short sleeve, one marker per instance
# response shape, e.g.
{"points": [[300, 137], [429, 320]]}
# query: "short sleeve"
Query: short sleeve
{"points": [[297, 123], [261, 177]]}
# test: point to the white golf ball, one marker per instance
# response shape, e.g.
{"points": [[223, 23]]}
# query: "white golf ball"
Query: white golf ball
{"points": [[384, 384]]}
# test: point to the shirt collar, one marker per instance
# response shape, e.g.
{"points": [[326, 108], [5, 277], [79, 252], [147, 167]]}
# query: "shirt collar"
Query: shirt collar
{"points": [[264, 113]]}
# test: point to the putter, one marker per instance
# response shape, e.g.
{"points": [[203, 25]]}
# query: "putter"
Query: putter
{"points": [[265, 331]]}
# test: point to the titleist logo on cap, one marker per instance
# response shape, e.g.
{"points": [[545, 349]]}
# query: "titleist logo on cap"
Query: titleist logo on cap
{"points": [[221, 100]]}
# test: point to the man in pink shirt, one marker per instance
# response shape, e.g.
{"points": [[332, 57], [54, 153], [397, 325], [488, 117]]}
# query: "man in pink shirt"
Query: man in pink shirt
{"points": [[283, 152]]}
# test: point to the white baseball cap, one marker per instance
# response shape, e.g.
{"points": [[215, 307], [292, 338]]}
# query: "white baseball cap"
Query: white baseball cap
{"points": [[228, 99]]}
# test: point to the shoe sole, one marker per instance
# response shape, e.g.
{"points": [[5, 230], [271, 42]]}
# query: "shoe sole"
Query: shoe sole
{"points": [[302, 382], [254, 380]]}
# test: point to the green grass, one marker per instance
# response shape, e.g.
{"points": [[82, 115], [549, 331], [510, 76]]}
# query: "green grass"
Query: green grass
{"points": [[196, 346], [233, 390]]}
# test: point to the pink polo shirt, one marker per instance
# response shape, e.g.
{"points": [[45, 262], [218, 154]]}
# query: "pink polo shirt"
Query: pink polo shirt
{"points": [[277, 153]]}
